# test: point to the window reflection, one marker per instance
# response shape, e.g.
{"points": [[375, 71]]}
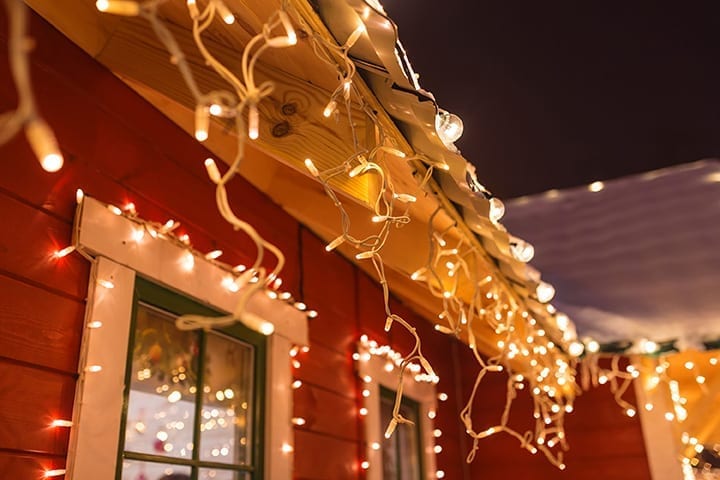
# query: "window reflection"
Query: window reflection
{"points": [[161, 403], [136, 470], [227, 401]]}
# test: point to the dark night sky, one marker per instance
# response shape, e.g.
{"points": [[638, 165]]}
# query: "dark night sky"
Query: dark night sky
{"points": [[559, 94]]}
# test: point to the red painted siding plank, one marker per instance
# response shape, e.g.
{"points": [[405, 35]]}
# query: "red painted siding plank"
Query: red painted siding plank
{"points": [[27, 466], [319, 457], [326, 412], [329, 288], [39, 327], [328, 369], [31, 236], [31, 399]]}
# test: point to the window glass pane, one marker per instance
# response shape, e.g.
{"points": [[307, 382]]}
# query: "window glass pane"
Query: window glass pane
{"points": [[408, 443], [161, 404], [226, 424], [215, 474], [389, 446], [401, 452], [136, 470]]}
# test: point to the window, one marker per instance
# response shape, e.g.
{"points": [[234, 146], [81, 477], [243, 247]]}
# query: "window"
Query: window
{"points": [[410, 452], [193, 398], [115, 434], [401, 453]]}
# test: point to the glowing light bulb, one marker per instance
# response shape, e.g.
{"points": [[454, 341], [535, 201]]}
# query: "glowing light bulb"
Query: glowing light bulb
{"points": [[363, 411], [330, 108], [212, 170], [94, 368], [497, 211], [95, 324], [562, 321], [253, 122], [138, 234], [216, 110], [312, 168], [187, 261], [405, 198], [648, 346], [286, 448], [106, 283], [174, 396], [365, 465], [61, 423], [375, 446], [596, 186], [118, 7], [545, 292], [202, 123], [576, 349], [357, 170], [79, 196], [630, 412], [214, 254], [230, 284], [449, 127], [54, 473], [267, 328], [64, 252], [299, 421], [192, 7], [593, 346], [297, 384], [224, 12], [521, 250], [335, 243], [440, 474]]}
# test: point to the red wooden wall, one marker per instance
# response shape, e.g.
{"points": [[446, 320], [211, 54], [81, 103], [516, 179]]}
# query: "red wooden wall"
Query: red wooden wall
{"points": [[119, 148]]}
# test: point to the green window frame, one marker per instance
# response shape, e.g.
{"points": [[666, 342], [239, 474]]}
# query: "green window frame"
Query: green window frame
{"points": [[156, 297], [406, 443]]}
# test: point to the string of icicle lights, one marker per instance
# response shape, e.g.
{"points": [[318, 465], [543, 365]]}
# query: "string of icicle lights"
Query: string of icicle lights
{"points": [[549, 375], [239, 100], [26, 116], [526, 355], [659, 373]]}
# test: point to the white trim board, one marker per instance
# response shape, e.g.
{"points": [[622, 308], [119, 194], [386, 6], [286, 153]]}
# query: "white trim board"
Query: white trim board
{"points": [[423, 393], [98, 400]]}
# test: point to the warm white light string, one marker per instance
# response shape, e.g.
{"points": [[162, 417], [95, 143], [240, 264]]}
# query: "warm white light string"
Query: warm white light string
{"points": [[368, 160], [653, 373], [366, 350], [244, 97], [239, 278], [525, 353], [462, 268], [39, 134]]}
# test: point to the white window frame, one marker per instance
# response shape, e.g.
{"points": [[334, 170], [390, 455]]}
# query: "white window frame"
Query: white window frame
{"points": [[372, 367], [97, 413]]}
